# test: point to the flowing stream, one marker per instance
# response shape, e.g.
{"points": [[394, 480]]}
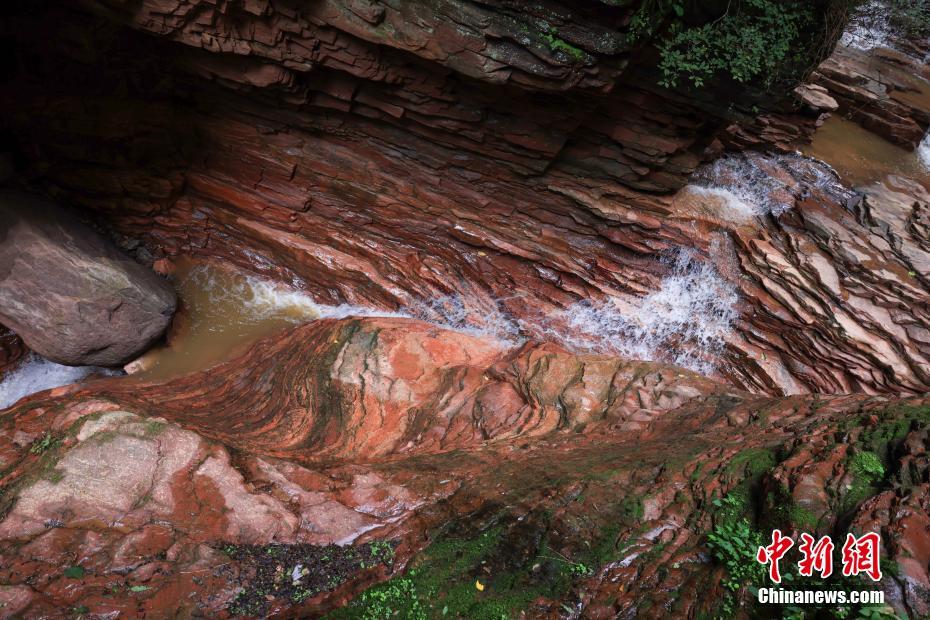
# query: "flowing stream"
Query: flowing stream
{"points": [[223, 311]]}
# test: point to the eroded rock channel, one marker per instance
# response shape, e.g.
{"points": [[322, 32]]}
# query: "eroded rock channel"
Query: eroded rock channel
{"points": [[472, 313]]}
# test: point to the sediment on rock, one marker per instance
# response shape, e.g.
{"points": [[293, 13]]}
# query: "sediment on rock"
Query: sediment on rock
{"points": [[12, 349]]}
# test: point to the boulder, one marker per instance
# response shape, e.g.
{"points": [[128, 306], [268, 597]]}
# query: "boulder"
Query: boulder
{"points": [[70, 294]]}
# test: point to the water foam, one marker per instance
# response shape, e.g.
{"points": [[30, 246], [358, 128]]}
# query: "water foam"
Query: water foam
{"points": [[685, 322], [745, 189], [475, 318], [36, 374], [869, 28], [923, 152], [259, 299]]}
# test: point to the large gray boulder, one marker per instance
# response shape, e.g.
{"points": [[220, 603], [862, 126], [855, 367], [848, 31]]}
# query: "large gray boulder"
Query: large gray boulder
{"points": [[69, 293]]}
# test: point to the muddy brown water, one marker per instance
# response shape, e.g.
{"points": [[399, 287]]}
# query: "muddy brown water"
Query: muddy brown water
{"points": [[861, 157], [222, 311]]}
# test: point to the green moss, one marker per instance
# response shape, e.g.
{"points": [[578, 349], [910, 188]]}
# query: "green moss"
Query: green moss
{"points": [[632, 509], [893, 425], [491, 575], [54, 475], [47, 442], [752, 463], [442, 575], [802, 518], [154, 428], [558, 45], [867, 474]]}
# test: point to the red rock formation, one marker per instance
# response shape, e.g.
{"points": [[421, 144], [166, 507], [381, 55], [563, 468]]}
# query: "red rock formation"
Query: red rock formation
{"points": [[885, 91], [386, 155], [336, 208], [310, 149], [266, 449]]}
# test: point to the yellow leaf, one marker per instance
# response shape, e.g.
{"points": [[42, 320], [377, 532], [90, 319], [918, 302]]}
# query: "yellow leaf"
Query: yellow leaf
{"points": [[479, 586]]}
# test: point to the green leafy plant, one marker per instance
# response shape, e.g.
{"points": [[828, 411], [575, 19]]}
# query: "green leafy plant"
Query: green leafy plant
{"points": [[735, 545], [46, 442], [752, 38]]}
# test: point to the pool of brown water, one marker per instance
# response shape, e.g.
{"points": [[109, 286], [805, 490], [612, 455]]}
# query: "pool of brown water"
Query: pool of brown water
{"points": [[221, 312], [861, 157]]}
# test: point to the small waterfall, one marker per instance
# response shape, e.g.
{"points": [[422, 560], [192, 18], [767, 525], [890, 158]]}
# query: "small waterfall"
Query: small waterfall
{"points": [[685, 322], [923, 152], [36, 374], [484, 319], [745, 189], [869, 28]]}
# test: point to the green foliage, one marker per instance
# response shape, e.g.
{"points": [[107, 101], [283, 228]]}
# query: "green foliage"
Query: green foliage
{"points": [[74, 572], [735, 545], [867, 465], [388, 601], [752, 39], [46, 442]]}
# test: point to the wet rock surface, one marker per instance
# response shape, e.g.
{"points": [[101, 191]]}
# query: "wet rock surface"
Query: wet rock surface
{"points": [[884, 90], [68, 293], [551, 479], [515, 173], [367, 176]]}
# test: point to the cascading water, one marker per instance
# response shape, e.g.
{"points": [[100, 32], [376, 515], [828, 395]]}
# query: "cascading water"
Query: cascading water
{"points": [[736, 188], [923, 152], [869, 29], [685, 322], [476, 319]]}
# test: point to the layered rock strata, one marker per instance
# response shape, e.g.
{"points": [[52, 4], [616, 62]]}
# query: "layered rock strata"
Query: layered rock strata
{"points": [[884, 90], [386, 177], [587, 480]]}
